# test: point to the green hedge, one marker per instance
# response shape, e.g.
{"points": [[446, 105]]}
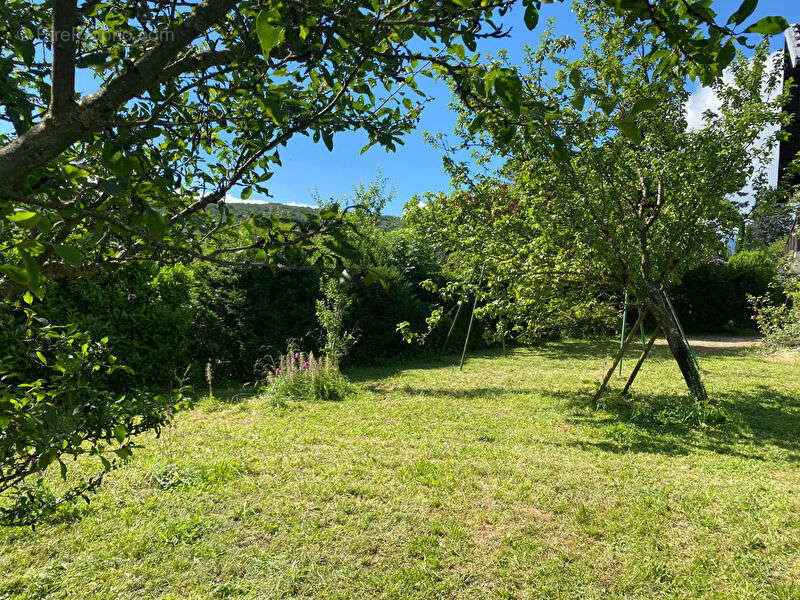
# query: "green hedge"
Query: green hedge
{"points": [[713, 296], [160, 321]]}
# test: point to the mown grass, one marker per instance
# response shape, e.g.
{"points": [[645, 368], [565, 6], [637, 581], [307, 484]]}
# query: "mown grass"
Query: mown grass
{"points": [[499, 482]]}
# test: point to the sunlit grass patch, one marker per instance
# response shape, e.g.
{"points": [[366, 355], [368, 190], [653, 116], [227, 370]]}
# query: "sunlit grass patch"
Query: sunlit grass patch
{"points": [[501, 481]]}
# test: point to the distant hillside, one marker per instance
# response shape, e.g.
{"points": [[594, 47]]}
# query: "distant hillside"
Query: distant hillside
{"points": [[246, 209]]}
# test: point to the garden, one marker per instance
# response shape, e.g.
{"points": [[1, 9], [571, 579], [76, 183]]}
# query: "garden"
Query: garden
{"points": [[574, 373]]}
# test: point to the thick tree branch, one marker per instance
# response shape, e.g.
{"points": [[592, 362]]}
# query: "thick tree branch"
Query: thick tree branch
{"points": [[54, 134], [62, 89]]}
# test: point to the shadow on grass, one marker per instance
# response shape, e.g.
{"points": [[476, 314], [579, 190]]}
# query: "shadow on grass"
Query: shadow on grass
{"points": [[603, 348], [229, 395], [736, 424], [487, 393], [563, 350], [559, 350], [360, 373]]}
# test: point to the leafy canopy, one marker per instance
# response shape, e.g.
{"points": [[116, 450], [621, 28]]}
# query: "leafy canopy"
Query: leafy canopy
{"points": [[193, 98]]}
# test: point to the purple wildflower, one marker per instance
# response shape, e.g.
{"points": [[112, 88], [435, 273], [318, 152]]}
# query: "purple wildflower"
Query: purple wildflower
{"points": [[305, 364], [278, 371], [297, 355]]}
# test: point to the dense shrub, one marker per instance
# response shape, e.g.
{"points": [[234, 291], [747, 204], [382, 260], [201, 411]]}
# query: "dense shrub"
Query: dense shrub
{"points": [[713, 295], [161, 321], [242, 314], [705, 298], [145, 312], [63, 395], [778, 323]]}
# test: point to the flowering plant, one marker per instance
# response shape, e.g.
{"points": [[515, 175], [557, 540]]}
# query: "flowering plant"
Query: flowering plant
{"points": [[302, 376], [779, 324]]}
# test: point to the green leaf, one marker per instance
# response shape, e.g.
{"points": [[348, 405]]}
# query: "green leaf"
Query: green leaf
{"points": [[607, 103], [272, 106], [72, 255], [726, 55], [509, 88], [478, 122], [155, 224], [578, 101], [118, 164], [575, 77], [247, 192], [643, 104], [24, 218], [458, 50], [26, 50], [745, 10], [16, 274], [41, 357], [769, 26], [327, 137], [34, 274], [531, 17], [630, 129], [124, 453], [560, 150], [505, 135], [269, 35], [120, 432]]}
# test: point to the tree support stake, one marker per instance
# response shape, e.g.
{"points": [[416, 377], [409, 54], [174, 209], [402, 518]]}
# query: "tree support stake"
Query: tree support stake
{"points": [[471, 317], [618, 357], [645, 352]]}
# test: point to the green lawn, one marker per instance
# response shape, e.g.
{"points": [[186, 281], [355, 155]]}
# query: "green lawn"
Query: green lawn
{"points": [[498, 482]]}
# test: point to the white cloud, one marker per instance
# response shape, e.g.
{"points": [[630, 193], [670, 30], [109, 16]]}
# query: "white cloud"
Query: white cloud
{"points": [[698, 103], [705, 99]]}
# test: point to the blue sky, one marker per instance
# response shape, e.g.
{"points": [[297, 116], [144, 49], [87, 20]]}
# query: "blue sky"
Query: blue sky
{"points": [[416, 167]]}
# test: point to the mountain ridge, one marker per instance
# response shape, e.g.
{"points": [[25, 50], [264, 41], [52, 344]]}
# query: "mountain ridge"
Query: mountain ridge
{"points": [[294, 212]]}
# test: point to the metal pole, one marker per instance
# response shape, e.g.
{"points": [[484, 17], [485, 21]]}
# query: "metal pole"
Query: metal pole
{"points": [[449, 333], [622, 335], [455, 318], [683, 335]]}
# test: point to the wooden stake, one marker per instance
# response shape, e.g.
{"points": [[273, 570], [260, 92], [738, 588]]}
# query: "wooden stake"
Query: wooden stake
{"points": [[638, 366], [622, 334], [471, 317], [618, 357]]}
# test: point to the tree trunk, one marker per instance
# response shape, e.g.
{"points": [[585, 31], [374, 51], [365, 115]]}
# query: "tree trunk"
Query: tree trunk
{"points": [[657, 303]]}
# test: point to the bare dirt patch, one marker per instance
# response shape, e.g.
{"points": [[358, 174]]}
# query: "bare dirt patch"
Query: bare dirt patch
{"points": [[791, 357], [711, 343]]}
